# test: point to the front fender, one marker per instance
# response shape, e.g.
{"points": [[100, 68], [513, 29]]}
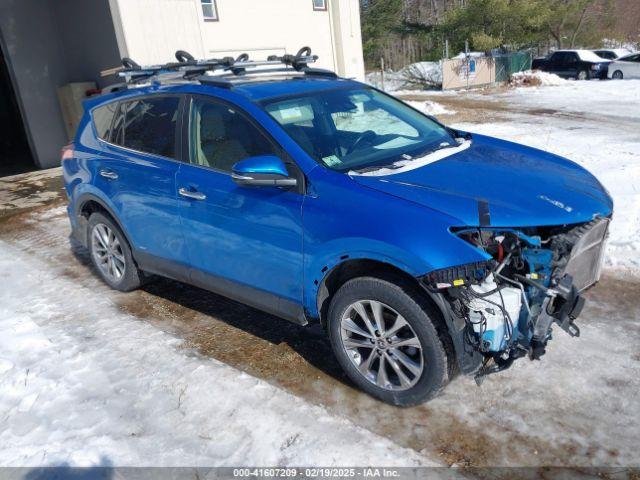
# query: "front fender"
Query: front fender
{"points": [[345, 220], [339, 251]]}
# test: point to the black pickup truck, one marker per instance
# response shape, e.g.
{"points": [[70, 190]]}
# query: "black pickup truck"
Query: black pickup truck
{"points": [[580, 64]]}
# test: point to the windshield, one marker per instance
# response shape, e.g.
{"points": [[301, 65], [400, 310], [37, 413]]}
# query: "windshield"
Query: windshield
{"points": [[355, 129]]}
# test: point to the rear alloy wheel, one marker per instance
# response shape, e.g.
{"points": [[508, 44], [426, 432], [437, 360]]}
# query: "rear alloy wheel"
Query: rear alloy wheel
{"points": [[583, 75], [107, 253], [385, 339], [617, 75], [111, 255]]}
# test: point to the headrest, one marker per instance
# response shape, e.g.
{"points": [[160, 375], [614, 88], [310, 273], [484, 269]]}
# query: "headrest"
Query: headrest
{"points": [[296, 111], [211, 123]]}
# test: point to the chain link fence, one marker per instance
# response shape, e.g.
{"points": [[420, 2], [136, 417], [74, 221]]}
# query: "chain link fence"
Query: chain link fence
{"points": [[510, 63]]}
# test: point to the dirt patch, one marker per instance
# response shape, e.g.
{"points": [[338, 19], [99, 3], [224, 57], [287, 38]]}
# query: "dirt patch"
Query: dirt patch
{"points": [[22, 193]]}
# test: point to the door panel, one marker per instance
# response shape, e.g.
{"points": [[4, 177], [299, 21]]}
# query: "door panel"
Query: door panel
{"points": [[142, 177], [245, 242], [145, 196], [252, 236]]}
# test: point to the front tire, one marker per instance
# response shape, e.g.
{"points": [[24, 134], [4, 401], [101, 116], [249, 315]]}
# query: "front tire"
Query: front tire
{"points": [[111, 255], [617, 75], [384, 337], [583, 75]]}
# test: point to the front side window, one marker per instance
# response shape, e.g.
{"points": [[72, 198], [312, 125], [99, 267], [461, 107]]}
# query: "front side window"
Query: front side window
{"points": [[319, 4], [148, 125], [221, 137], [102, 119], [358, 129], [209, 10]]}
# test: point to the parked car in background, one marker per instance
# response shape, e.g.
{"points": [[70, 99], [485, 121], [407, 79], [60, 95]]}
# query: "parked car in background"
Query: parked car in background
{"points": [[579, 64], [625, 67], [612, 53]]}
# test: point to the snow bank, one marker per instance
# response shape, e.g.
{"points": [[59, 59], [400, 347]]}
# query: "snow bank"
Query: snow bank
{"points": [[85, 384], [418, 76], [535, 78], [430, 108]]}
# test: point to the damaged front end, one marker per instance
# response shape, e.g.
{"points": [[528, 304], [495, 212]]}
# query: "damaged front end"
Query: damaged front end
{"points": [[504, 308]]}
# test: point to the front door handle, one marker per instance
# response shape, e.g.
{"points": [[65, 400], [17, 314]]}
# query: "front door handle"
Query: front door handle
{"points": [[191, 194], [109, 174]]}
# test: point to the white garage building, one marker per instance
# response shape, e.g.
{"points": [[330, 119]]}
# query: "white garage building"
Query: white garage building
{"points": [[46, 45]]}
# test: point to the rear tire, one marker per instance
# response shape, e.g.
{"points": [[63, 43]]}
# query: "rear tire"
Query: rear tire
{"points": [[617, 75], [111, 255], [415, 364]]}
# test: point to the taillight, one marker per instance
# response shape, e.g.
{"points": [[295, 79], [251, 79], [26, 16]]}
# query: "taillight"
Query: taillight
{"points": [[67, 152]]}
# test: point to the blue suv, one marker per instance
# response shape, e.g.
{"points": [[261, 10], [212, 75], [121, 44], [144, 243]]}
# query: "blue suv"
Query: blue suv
{"points": [[423, 250]]}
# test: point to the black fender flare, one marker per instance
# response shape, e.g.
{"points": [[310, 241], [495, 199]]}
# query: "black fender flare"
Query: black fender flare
{"points": [[82, 222], [469, 359]]}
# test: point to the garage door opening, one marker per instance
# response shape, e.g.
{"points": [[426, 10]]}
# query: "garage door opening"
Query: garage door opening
{"points": [[15, 153]]}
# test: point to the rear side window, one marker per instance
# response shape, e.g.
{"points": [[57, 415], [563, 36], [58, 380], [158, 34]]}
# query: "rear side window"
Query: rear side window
{"points": [[148, 125], [102, 119]]}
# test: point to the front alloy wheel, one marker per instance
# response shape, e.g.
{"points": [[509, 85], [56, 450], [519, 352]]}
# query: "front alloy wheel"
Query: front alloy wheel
{"points": [[382, 345], [384, 335]]}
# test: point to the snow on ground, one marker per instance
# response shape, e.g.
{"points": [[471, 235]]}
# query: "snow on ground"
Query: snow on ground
{"points": [[84, 384], [594, 99]]}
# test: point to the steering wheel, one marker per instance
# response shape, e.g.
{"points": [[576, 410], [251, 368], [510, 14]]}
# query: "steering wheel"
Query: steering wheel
{"points": [[362, 138]]}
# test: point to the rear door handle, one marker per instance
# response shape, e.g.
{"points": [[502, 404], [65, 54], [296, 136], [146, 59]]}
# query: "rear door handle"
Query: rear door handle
{"points": [[109, 174], [191, 194]]}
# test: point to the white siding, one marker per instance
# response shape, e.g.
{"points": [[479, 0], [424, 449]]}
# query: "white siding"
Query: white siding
{"points": [[150, 31]]}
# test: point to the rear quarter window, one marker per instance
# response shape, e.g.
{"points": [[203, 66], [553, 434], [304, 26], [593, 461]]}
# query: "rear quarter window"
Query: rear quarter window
{"points": [[148, 125], [102, 120]]}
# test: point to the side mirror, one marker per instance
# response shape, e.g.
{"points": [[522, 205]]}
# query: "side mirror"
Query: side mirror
{"points": [[263, 171]]}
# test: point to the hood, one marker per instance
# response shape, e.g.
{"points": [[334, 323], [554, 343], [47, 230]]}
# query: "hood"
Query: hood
{"points": [[522, 186]]}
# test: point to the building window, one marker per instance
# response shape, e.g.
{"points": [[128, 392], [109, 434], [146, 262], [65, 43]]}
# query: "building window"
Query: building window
{"points": [[320, 5], [209, 10]]}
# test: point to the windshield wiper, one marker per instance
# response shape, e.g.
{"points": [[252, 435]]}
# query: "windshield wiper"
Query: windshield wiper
{"points": [[373, 168], [395, 166]]}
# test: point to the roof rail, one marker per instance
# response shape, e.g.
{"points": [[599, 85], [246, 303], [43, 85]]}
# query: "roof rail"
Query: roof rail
{"points": [[188, 68]]}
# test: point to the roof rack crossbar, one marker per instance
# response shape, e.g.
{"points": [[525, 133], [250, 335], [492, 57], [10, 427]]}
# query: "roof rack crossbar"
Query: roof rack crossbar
{"points": [[190, 68]]}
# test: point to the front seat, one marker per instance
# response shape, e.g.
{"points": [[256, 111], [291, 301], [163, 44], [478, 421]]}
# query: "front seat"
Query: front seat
{"points": [[216, 149]]}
